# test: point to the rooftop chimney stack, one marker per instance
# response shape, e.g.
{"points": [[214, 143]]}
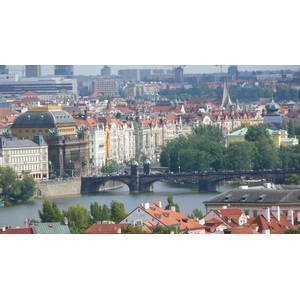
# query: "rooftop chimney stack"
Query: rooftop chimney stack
{"points": [[290, 216], [266, 214], [275, 210]]}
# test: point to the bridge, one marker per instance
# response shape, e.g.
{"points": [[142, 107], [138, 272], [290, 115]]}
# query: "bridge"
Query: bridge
{"points": [[207, 181]]}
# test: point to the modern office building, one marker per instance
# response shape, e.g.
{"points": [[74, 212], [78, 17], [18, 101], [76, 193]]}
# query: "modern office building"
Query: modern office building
{"points": [[106, 71], [66, 70], [33, 71]]}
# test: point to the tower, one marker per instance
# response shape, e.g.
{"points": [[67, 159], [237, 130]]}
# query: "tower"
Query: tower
{"points": [[66, 70], [226, 101], [33, 71], [106, 71]]}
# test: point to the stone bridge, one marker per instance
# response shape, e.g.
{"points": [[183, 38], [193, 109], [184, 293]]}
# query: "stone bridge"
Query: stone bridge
{"points": [[207, 181]]}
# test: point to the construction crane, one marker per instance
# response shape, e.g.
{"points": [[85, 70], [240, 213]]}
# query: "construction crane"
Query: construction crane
{"points": [[23, 71], [220, 67]]}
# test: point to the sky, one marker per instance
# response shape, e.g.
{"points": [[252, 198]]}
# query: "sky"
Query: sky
{"points": [[95, 69]]}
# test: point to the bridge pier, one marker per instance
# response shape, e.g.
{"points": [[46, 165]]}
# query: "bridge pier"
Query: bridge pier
{"points": [[205, 186]]}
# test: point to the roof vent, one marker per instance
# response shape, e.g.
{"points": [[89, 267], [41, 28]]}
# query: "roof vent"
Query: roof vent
{"points": [[50, 225]]}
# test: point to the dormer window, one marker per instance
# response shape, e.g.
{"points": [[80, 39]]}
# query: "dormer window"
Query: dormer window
{"points": [[260, 198], [244, 198], [226, 199]]}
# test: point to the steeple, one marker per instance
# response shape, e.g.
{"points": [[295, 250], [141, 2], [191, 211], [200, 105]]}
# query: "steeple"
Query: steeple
{"points": [[226, 101], [109, 103]]}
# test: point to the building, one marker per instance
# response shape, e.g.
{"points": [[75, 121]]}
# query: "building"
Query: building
{"points": [[252, 201], [66, 70], [68, 149], [106, 71], [12, 85], [3, 70], [33, 71], [25, 156], [273, 117], [153, 215], [105, 87], [279, 137]]}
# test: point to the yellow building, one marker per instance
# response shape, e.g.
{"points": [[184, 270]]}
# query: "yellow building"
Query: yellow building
{"points": [[279, 137]]}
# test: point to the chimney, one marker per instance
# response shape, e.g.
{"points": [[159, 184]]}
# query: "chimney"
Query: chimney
{"points": [[146, 205], [158, 203], [298, 216], [66, 222], [266, 214], [290, 216], [173, 208], [119, 230], [3, 229], [275, 210], [266, 231]]}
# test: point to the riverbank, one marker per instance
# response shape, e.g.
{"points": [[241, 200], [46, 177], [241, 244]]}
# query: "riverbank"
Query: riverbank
{"points": [[68, 187]]}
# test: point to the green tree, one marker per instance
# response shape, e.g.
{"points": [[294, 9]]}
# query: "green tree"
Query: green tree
{"points": [[113, 167], [211, 132], [117, 210], [99, 213], [294, 179], [240, 156], [78, 218], [172, 203], [50, 212], [257, 132], [159, 229], [295, 230], [291, 129], [131, 229], [8, 182], [27, 187], [196, 214]]}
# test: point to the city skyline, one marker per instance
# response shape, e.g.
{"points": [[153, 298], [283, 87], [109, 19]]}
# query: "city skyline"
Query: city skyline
{"points": [[188, 69]]}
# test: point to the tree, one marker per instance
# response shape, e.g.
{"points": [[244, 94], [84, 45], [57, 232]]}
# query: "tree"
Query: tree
{"points": [[99, 213], [240, 156], [291, 129], [117, 210], [294, 179], [131, 229], [8, 182], [210, 131], [196, 214], [257, 132], [27, 187], [295, 230], [50, 212], [171, 203], [78, 218], [159, 229]]}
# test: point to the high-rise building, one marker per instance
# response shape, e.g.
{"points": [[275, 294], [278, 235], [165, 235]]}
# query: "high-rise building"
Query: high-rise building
{"points": [[3, 70], [232, 70], [106, 71], [33, 71], [66, 70], [178, 74]]}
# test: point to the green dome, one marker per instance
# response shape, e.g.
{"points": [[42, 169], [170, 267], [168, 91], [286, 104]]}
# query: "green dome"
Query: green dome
{"points": [[40, 119], [272, 107], [134, 163], [147, 162]]}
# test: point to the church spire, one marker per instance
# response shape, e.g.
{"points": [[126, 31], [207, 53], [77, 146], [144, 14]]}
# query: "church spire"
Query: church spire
{"points": [[226, 101]]}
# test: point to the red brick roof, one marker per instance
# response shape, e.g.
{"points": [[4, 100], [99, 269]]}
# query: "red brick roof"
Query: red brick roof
{"points": [[103, 229]]}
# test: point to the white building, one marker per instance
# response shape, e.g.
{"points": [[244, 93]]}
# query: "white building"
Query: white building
{"points": [[25, 156]]}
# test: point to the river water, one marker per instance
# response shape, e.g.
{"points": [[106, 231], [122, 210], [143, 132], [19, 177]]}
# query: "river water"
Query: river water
{"points": [[186, 195]]}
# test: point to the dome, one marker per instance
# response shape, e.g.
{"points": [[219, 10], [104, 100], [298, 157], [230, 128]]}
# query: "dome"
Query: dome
{"points": [[147, 162], [43, 119], [134, 163], [272, 107]]}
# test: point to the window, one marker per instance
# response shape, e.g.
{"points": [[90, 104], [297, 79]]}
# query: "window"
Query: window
{"points": [[254, 213]]}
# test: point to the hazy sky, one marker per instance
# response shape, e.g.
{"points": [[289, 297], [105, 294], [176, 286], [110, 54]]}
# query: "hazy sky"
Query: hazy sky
{"points": [[95, 69]]}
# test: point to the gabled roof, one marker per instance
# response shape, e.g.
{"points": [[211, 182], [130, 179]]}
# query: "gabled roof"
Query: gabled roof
{"points": [[51, 228], [17, 231], [243, 230], [103, 229]]}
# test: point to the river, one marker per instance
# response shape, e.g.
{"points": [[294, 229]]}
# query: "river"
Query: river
{"points": [[186, 195]]}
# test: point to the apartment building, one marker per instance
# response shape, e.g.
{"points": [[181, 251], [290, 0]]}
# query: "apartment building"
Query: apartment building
{"points": [[25, 156]]}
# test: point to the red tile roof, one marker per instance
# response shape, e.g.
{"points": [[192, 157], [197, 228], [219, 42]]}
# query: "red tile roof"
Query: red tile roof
{"points": [[103, 229], [17, 231]]}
